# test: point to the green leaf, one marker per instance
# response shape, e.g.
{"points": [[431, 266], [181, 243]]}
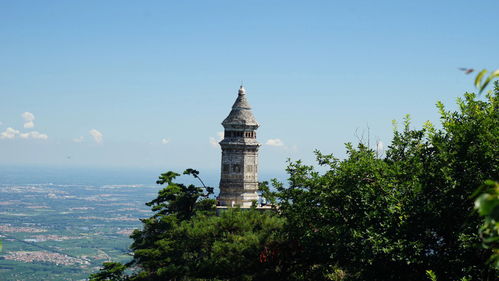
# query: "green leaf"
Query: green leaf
{"points": [[479, 78], [487, 81], [431, 275], [485, 203], [491, 239], [478, 191]]}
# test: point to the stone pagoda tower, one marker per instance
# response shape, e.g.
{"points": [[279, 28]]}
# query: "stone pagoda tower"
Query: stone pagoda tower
{"points": [[239, 176]]}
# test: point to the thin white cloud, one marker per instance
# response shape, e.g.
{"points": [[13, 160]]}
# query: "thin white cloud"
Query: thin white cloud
{"points": [[28, 120], [165, 141], [24, 135], [29, 125], [220, 135], [274, 142], [214, 142], [28, 116], [78, 140], [96, 135], [33, 135], [9, 133]]}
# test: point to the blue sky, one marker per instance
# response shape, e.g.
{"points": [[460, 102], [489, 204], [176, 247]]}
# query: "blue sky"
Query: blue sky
{"points": [[152, 80]]}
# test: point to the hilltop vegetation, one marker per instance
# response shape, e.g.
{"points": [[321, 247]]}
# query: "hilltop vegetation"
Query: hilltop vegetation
{"points": [[395, 217]]}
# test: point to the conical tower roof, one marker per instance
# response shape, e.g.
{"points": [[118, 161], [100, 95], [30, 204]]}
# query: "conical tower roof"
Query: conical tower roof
{"points": [[241, 112]]}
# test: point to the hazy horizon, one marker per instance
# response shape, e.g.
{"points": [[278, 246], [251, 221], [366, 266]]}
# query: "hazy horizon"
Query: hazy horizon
{"points": [[97, 176]]}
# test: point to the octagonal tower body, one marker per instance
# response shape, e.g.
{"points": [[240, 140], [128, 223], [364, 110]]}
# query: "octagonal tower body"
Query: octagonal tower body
{"points": [[239, 170]]}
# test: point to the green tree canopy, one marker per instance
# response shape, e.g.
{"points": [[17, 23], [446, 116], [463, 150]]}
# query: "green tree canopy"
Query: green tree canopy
{"points": [[186, 240], [396, 217]]}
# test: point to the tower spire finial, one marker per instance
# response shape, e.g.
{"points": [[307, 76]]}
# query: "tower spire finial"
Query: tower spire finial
{"points": [[242, 91]]}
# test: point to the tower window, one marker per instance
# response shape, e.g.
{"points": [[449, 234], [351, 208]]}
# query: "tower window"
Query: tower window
{"points": [[225, 167], [236, 168], [234, 134]]}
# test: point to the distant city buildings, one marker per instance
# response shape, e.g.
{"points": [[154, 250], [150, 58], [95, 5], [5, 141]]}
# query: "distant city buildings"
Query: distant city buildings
{"points": [[44, 256]]}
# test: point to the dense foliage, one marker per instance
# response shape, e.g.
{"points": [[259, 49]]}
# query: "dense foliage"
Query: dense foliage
{"points": [[396, 217], [185, 239], [404, 216], [487, 205]]}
